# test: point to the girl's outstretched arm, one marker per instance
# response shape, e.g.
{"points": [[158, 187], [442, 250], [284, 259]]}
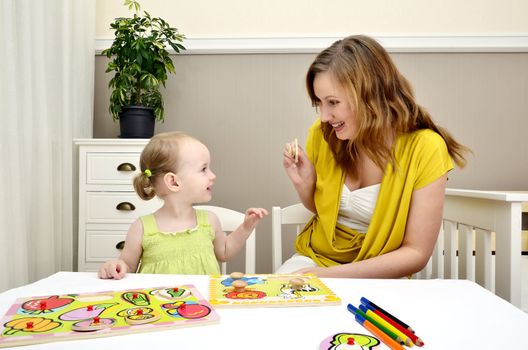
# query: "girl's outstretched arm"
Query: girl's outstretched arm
{"points": [[128, 261], [226, 246]]}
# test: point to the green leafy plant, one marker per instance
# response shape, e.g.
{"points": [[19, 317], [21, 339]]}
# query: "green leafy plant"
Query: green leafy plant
{"points": [[140, 60]]}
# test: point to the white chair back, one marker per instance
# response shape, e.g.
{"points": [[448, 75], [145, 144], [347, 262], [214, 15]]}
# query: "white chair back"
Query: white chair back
{"points": [[296, 215]]}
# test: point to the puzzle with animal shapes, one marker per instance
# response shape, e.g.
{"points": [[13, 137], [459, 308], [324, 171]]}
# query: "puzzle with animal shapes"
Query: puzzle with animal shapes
{"points": [[238, 290], [75, 316]]}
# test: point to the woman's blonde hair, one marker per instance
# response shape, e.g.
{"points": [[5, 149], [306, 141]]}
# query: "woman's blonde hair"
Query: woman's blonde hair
{"points": [[160, 156], [383, 98]]}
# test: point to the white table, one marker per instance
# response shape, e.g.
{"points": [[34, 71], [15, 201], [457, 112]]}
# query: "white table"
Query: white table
{"points": [[446, 314]]}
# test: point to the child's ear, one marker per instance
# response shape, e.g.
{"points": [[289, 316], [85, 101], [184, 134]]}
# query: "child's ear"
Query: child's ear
{"points": [[171, 181]]}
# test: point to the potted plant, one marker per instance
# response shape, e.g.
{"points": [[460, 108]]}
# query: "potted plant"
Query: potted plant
{"points": [[140, 60]]}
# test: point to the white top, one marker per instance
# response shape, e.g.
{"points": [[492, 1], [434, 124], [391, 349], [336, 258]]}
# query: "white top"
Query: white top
{"points": [[356, 207]]}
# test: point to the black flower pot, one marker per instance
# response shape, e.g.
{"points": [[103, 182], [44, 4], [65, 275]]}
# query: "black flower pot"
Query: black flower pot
{"points": [[136, 122]]}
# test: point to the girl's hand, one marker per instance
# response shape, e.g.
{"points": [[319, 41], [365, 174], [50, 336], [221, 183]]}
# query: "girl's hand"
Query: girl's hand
{"points": [[298, 167], [115, 269], [253, 217]]}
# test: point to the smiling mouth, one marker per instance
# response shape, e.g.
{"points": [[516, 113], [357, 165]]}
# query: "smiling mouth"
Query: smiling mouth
{"points": [[337, 126]]}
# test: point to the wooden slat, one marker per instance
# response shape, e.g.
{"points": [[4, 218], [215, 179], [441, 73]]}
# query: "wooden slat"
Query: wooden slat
{"points": [[483, 258], [466, 261], [437, 269], [450, 248], [508, 253]]}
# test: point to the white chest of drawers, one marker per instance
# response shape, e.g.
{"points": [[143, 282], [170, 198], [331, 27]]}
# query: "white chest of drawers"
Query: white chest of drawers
{"points": [[107, 201]]}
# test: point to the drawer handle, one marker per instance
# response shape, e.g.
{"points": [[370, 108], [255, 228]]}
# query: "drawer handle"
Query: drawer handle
{"points": [[125, 206], [126, 167], [120, 245]]}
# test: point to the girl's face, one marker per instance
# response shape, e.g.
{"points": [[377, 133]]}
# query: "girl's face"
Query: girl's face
{"points": [[195, 176], [335, 107]]}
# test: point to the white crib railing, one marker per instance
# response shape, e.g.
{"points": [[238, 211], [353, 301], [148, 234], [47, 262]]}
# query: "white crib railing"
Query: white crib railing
{"points": [[481, 241]]}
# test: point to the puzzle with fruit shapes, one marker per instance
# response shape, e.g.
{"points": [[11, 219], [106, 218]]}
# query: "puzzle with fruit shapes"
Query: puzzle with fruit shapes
{"points": [[74, 316], [269, 290]]}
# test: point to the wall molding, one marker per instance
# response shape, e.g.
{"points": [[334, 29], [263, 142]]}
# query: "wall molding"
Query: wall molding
{"points": [[261, 45]]}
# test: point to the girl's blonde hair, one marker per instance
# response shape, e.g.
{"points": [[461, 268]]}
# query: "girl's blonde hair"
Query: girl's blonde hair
{"points": [[383, 98], [159, 157]]}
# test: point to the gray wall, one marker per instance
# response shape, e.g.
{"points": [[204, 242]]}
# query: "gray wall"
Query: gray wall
{"points": [[245, 107]]}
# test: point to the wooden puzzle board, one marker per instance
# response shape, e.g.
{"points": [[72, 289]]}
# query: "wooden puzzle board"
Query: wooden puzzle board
{"points": [[77, 316], [270, 291]]}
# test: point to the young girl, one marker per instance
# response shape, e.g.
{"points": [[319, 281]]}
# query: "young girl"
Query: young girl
{"points": [[178, 239]]}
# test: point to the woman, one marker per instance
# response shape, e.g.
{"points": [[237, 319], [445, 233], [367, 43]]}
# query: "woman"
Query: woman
{"points": [[374, 171]]}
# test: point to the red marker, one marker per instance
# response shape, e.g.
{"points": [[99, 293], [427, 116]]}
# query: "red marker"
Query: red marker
{"points": [[414, 338], [96, 319], [29, 325], [89, 308], [400, 325]]}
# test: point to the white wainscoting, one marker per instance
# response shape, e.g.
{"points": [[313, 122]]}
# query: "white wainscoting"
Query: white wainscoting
{"points": [[393, 43]]}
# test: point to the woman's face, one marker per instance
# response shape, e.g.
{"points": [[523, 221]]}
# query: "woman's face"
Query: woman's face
{"points": [[335, 107]]}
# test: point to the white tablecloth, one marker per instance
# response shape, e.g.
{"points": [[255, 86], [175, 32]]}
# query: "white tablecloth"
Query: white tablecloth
{"points": [[446, 314]]}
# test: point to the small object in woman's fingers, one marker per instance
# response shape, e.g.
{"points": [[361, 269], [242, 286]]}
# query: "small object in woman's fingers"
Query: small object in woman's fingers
{"points": [[293, 150], [296, 151], [288, 149]]}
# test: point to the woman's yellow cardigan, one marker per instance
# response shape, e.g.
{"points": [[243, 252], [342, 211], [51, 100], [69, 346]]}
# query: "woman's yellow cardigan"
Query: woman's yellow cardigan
{"points": [[421, 158]]}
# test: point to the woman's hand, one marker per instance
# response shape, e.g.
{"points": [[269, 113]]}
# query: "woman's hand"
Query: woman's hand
{"points": [[301, 172], [298, 167]]}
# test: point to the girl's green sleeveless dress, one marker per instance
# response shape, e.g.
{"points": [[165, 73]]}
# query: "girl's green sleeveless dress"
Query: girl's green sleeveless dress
{"points": [[188, 252]]}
